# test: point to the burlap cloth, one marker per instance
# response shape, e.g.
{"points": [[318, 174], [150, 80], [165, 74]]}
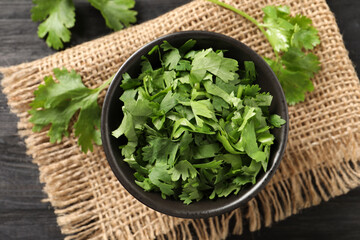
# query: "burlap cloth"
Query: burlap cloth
{"points": [[321, 160]]}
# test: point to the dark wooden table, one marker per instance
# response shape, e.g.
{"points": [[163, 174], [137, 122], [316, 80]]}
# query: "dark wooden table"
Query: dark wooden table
{"points": [[24, 216]]}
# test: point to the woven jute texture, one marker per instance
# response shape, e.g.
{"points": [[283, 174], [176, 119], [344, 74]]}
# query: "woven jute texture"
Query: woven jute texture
{"points": [[321, 160]]}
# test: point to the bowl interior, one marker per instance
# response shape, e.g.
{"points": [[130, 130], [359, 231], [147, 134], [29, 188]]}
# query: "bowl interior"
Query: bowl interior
{"points": [[112, 116]]}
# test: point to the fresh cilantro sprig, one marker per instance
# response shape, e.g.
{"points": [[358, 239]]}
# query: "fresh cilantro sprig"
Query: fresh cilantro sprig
{"points": [[59, 15], [56, 103], [197, 127], [290, 38]]}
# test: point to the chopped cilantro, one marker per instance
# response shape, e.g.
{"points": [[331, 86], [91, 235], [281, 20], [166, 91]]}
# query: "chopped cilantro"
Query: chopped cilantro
{"points": [[194, 128]]}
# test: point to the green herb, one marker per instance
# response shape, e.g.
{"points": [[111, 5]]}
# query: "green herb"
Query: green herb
{"points": [[197, 127], [290, 38], [56, 104], [59, 16], [117, 13]]}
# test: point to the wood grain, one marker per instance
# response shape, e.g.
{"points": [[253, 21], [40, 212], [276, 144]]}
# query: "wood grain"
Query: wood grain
{"points": [[24, 216]]}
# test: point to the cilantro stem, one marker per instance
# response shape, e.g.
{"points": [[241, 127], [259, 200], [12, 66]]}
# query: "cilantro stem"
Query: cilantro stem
{"points": [[145, 79], [248, 17], [105, 84], [239, 92], [166, 90]]}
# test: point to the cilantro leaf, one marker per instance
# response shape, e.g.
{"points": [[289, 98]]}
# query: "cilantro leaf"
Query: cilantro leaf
{"points": [[276, 120], [212, 164], [294, 75], [172, 55], [217, 91], [180, 126], [208, 60], [117, 13], [127, 128], [160, 150], [191, 191], [160, 177], [207, 151], [305, 35], [183, 169], [296, 60], [250, 72], [65, 99], [58, 17], [249, 142], [202, 108], [278, 27], [295, 84]]}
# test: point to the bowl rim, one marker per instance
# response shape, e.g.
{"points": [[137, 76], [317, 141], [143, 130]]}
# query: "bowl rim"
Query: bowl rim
{"points": [[131, 186]]}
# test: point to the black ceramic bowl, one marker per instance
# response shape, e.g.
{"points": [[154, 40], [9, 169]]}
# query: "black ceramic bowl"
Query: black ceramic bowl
{"points": [[112, 116]]}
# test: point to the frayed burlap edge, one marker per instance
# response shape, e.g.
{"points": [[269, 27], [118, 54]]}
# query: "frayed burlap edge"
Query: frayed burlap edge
{"points": [[287, 193]]}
